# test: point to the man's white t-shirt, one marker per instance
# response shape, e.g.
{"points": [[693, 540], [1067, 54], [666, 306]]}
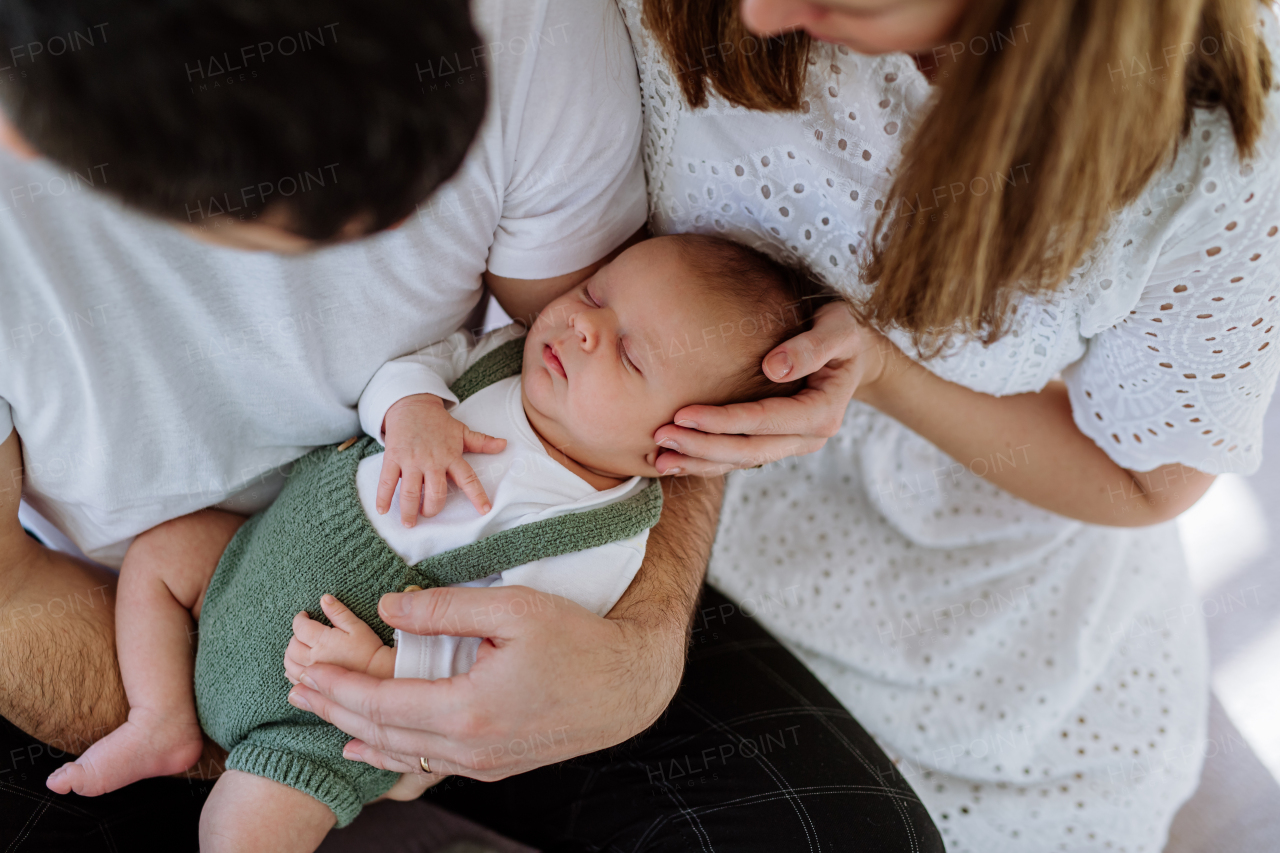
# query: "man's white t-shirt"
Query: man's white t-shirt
{"points": [[523, 484], [150, 375]]}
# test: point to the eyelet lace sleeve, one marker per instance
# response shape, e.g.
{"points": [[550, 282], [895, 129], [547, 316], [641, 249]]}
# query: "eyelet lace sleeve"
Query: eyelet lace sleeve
{"points": [[1187, 375]]}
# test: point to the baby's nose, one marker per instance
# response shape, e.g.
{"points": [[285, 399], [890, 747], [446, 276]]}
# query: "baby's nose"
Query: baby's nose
{"points": [[587, 329]]}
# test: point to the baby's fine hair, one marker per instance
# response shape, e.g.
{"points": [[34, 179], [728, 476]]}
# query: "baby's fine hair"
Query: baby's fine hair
{"points": [[773, 302]]}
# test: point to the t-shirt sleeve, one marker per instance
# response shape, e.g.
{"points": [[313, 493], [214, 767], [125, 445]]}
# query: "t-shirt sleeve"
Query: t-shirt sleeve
{"points": [[595, 578], [1186, 377], [430, 370], [576, 186], [6, 421]]}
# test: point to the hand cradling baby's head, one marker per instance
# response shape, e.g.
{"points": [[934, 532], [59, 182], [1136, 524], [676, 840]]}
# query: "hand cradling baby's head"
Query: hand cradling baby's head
{"points": [[671, 322]]}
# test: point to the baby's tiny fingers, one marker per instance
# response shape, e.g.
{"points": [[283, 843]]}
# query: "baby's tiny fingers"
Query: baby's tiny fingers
{"points": [[465, 476], [342, 617], [387, 483], [410, 497], [478, 442], [296, 657], [306, 629], [435, 490]]}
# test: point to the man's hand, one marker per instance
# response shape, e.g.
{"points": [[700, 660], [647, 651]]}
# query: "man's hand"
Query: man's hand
{"points": [[516, 707], [424, 449], [551, 681]]}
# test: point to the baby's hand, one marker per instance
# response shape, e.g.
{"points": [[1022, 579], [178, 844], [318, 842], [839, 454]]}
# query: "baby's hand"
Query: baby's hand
{"points": [[350, 644], [424, 447]]}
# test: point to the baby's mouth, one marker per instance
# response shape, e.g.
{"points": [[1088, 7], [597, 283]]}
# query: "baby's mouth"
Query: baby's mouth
{"points": [[552, 360]]}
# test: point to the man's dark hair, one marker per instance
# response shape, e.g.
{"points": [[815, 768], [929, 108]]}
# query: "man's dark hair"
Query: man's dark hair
{"points": [[769, 302], [197, 108]]}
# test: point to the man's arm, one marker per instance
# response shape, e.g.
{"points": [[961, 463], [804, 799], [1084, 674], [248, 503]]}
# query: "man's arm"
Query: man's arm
{"points": [[552, 673], [523, 298], [59, 681], [657, 609], [59, 677]]}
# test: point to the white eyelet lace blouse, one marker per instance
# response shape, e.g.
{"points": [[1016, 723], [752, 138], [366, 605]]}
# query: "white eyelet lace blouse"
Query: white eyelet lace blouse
{"points": [[1041, 682]]}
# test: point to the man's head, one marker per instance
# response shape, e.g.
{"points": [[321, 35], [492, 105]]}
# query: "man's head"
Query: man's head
{"points": [[303, 117], [671, 322]]}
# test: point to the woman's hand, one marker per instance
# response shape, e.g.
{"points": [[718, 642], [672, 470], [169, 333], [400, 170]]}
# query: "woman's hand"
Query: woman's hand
{"points": [[839, 355]]}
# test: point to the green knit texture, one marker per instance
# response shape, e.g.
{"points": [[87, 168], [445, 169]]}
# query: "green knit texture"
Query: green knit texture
{"points": [[315, 538]]}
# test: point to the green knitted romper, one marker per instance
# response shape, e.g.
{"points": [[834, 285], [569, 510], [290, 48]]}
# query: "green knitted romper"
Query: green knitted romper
{"points": [[315, 539]]}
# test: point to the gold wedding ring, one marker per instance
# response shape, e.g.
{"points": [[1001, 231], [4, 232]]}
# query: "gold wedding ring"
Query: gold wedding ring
{"points": [[426, 765]]}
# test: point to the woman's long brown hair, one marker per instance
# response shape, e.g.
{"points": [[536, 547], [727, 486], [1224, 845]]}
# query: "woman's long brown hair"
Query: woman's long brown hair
{"points": [[1070, 111]]}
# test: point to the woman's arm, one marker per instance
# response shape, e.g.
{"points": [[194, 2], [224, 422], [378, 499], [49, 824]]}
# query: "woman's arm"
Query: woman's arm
{"points": [[1028, 443], [1053, 465], [550, 672]]}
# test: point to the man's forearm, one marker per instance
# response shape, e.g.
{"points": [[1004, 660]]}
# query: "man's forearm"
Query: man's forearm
{"points": [[659, 605], [59, 680]]}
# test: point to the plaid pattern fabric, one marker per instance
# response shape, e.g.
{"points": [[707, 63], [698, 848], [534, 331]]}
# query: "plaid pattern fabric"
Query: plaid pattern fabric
{"points": [[753, 755]]}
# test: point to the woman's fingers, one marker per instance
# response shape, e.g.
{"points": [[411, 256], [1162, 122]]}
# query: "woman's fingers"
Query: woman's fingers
{"points": [[833, 336], [814, 411], [794, 359], [463, 474], [674, 464], [829, 356], [735, 451]]}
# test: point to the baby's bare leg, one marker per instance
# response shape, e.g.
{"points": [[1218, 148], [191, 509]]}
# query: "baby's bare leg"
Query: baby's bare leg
{"points": [[247, 813], [162, 584]]}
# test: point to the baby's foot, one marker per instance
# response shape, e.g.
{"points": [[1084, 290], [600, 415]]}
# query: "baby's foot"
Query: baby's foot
{"points": [[149, 744]]}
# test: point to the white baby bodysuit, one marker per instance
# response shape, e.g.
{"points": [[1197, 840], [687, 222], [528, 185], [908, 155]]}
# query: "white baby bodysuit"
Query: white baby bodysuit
{"points": [[523, 482]]}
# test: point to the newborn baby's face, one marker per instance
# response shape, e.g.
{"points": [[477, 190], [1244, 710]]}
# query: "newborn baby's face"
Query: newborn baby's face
{"points": [[609, 362]]}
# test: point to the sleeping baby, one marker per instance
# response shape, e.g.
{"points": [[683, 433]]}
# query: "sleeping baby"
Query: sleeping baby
{"points": [[548, 438]]}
